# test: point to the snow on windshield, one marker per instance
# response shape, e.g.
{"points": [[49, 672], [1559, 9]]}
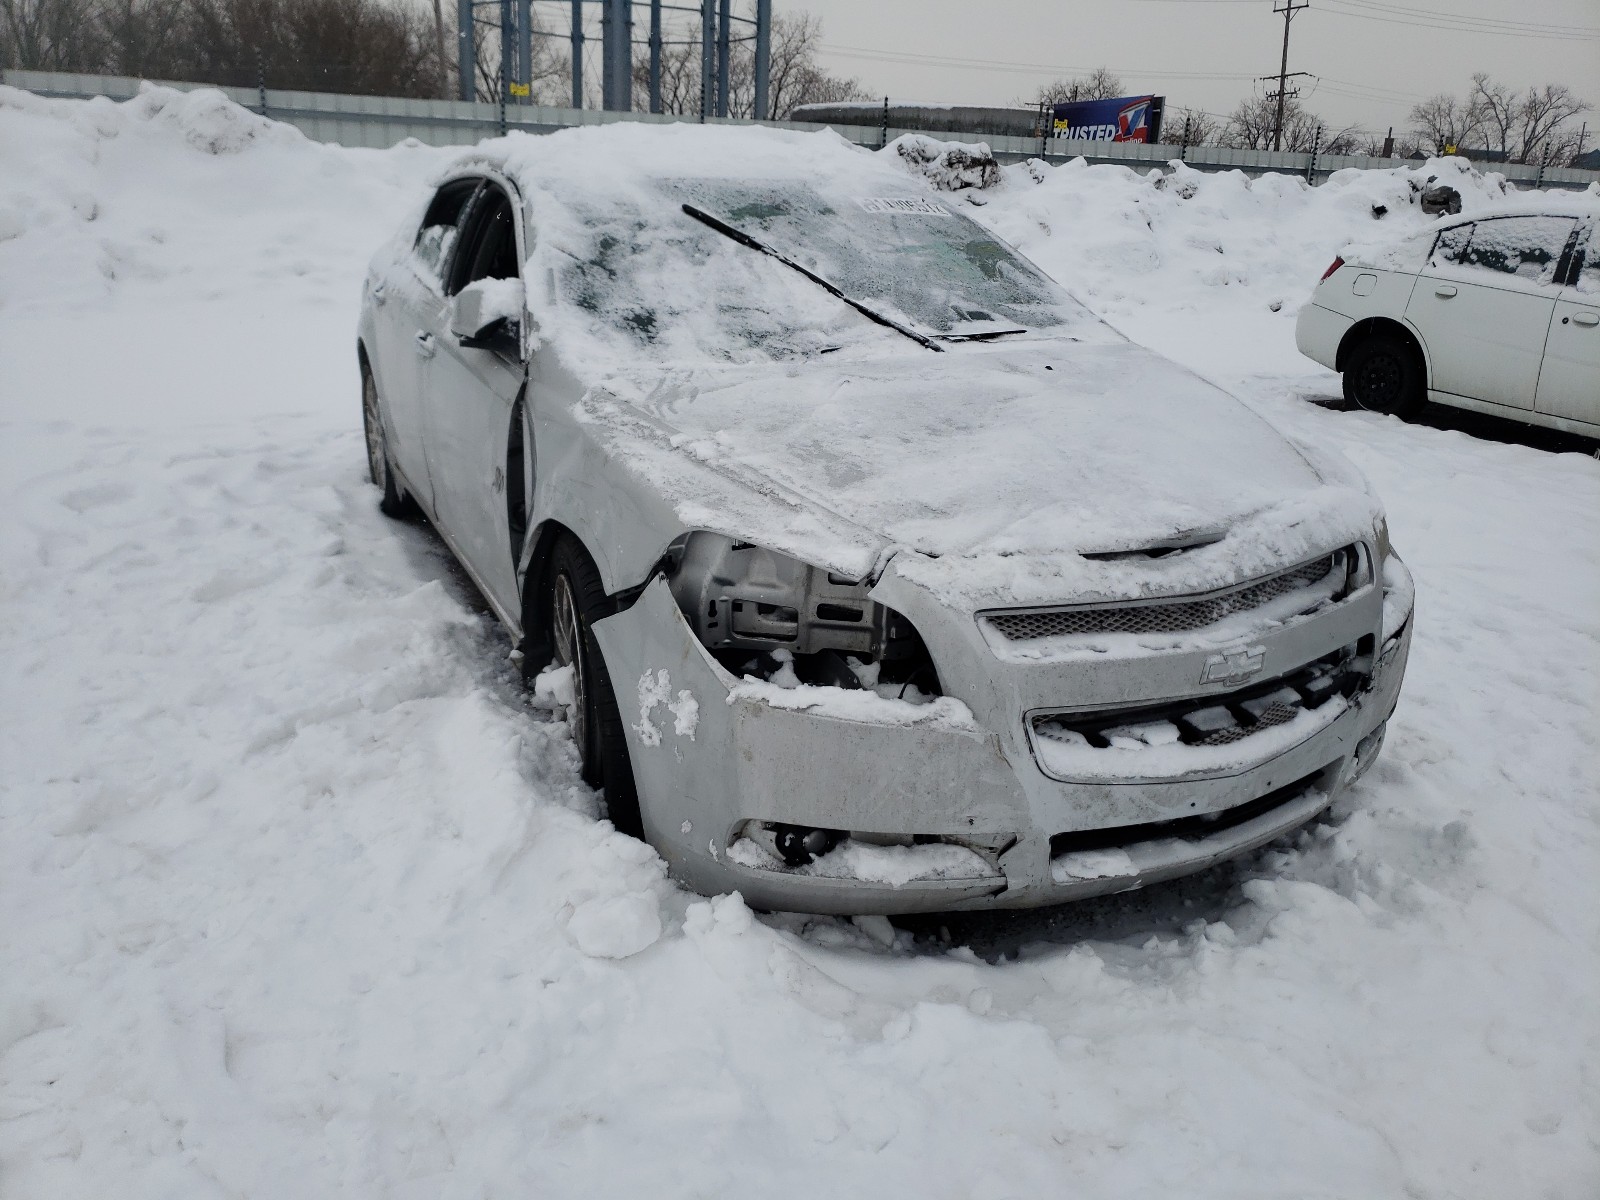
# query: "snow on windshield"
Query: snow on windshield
{"points": [[668, 284], [908, 256]]}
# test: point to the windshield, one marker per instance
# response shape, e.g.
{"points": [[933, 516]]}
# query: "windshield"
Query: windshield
{"points": [[669, 283], [911, 258]]}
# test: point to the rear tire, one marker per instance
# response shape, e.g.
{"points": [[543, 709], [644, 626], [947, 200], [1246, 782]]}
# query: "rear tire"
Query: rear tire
{"points": [[394, 502], [1384, 374], [577, 599]]}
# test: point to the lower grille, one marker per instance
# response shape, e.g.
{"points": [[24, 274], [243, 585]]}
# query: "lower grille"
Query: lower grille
{"points": [[1193, 828], [1214, 720], [1179, 616]]}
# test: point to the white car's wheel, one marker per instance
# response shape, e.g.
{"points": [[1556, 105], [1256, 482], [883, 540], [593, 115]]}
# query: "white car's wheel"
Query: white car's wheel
{"points": [[1384, 374]]}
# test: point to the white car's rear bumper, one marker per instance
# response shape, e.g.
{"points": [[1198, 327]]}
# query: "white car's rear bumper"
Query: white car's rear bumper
{"points": [[1318, 332]]}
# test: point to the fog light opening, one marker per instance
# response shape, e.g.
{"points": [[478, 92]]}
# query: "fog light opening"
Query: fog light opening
{"points": [[798, 845]]}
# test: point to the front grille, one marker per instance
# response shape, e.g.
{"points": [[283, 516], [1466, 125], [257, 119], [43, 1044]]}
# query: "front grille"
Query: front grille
{"points": [[1217, 720], [1163, 617]]}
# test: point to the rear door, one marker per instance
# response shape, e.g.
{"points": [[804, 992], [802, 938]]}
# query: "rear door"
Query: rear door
{"points": [[407, 301], [471, 394], [1483, 303], [1569, 384]]}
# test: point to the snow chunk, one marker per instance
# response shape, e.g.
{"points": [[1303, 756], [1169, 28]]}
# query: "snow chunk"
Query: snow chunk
{"points": [[847, 704], [555, 683], [654, 689], [893, 865], [1091, 864], [615, 926], [949, 166], [502, 299], [685, 714]]}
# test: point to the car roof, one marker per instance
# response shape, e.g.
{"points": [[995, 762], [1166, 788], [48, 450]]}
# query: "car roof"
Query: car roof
{"points": [[608, 160]]}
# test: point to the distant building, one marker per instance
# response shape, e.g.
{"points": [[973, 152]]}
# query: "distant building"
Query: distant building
{"points": [[946, 118]]}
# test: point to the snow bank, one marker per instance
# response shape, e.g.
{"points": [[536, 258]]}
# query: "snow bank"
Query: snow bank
{"points": [[303, 896]]}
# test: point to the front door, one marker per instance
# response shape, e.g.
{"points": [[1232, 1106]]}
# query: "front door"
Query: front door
{"points": [[407, 301], [1569, 384], [1483, 304], [471, 395]]}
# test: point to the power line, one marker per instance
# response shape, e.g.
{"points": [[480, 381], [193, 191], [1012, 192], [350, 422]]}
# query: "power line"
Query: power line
{"points": [[940, 60], [1334, 7], [1499, 24]]}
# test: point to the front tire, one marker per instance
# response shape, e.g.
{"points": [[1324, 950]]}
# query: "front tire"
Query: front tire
{"points": [[393, 502], [1384, 375], [576, 600]]}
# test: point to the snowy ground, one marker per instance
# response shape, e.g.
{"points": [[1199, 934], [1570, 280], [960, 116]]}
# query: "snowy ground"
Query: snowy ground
{"points": [[301, 896]]}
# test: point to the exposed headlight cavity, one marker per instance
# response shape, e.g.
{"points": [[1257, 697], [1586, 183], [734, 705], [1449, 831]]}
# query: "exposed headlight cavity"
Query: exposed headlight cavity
{"points": [[760, 613]]}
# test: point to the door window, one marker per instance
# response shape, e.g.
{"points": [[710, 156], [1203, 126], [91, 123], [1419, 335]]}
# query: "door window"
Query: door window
{"points": [[1588, 281], [489, 242], [440, 226], [1527, 248], [1452, 245]]}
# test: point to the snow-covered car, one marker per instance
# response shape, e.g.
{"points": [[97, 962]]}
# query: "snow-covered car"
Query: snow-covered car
{"points": [[878, 574], [1499, 313]]}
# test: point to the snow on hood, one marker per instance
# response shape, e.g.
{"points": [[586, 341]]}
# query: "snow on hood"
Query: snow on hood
{"points": [[1003, 462]]}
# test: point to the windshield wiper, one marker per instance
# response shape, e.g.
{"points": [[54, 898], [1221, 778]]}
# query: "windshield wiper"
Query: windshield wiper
{"points": [[982, 335], [744, 239]]}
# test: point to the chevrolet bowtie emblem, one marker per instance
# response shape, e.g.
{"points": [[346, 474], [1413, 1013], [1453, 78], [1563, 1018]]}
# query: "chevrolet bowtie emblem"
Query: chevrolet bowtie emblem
{"points": [[1235, 666]]}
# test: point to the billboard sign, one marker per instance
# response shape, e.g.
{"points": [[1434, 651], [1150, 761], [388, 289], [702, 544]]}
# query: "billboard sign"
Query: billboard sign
{"points": [[1125, 119]]}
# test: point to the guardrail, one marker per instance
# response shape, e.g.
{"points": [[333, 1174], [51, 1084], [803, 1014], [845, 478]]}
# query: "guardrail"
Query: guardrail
{"points": [[382, 121]]}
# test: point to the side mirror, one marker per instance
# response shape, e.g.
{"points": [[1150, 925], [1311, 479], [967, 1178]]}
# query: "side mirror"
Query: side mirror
{"points": [[489, 314]]}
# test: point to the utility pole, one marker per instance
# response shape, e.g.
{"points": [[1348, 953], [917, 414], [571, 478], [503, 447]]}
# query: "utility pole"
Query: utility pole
{"points": [[763, 57], [1288, 11], [438, 32]]}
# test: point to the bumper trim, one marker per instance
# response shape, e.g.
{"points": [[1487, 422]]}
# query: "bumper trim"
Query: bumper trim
{"points": [[1196, 828]]}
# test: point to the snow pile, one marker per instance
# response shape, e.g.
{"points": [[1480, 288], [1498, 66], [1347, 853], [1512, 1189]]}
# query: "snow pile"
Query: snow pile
{"points": [[303, 894], [1199, 261]]}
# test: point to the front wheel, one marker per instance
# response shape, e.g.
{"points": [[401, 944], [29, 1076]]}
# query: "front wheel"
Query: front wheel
{"points": [[393, 502], [1384, 375], [577, 597]]}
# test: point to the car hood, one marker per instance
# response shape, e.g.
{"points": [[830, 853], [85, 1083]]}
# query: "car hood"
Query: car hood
{"points": [[1010, 453]]}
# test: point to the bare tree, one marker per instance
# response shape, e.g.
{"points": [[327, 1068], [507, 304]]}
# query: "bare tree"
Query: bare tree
{"points": [[1099, 84], [1441, 122], [50, 35], [1251, 124], [1541, 116], [1526, 126], [1203, 128], [361, 46]]}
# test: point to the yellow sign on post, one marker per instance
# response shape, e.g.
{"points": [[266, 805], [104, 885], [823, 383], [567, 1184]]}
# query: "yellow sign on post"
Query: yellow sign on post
{"points": [[1450, 149], [519, 89]]}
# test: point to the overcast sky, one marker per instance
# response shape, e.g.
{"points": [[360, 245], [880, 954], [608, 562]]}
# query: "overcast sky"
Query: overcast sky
{"points": [[1374, 60]]}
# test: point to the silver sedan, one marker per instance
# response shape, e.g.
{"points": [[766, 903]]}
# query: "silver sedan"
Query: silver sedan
{"points": [[876, 574]]}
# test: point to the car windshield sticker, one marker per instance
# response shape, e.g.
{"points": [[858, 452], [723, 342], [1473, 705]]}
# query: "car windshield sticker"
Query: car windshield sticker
{"points": [[907, 204]]}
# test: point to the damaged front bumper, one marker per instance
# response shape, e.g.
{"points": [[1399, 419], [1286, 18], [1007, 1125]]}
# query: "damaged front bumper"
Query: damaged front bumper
{"points": [[942, 812]]}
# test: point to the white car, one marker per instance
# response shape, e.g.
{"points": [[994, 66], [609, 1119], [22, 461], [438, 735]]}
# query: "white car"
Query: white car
{"points": [[1499, 313], [879, 575]]}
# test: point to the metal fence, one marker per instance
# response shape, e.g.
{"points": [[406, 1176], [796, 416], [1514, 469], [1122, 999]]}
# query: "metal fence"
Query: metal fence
{"points": [[382, 121]]}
